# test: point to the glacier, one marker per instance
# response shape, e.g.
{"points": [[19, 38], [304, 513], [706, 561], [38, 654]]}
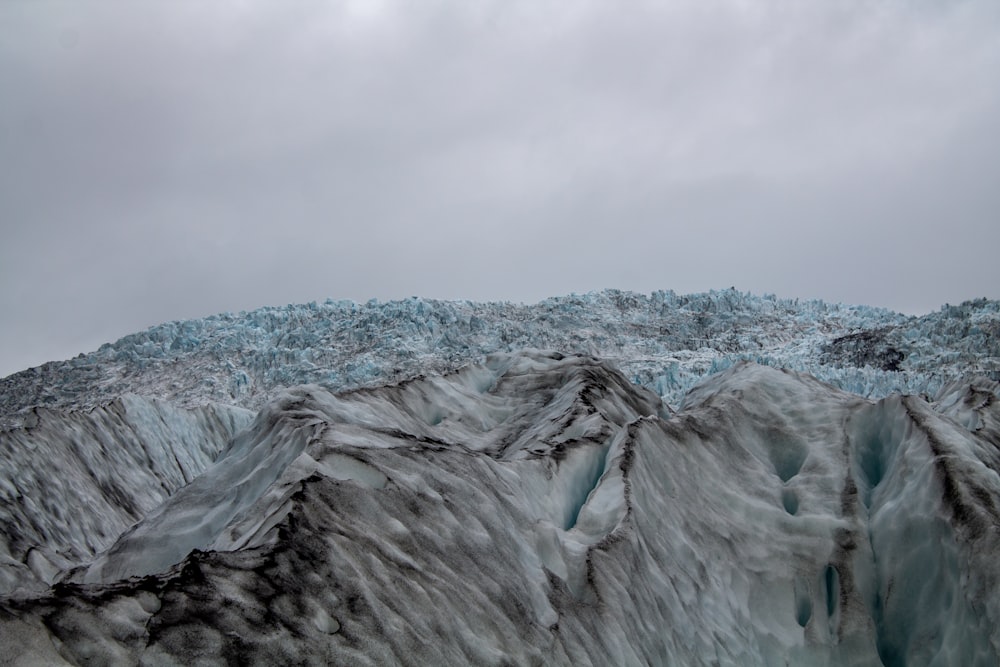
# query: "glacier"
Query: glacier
{"points": [[662, 341], [715, 479]]}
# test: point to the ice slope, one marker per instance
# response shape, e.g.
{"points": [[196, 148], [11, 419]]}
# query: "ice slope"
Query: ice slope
{"points": [[514, 407], [662, 341], [72, 482], [542, 509]]}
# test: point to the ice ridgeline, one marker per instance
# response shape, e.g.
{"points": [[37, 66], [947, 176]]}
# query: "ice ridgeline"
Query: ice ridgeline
{"points": [[542, 509], [663, 341]]}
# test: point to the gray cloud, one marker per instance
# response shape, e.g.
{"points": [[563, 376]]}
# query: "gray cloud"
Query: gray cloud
{"points": [[170, 160]]}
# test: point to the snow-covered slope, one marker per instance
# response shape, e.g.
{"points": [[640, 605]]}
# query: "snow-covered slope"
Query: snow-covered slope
{"points": [[662, 341], [542, 509]]}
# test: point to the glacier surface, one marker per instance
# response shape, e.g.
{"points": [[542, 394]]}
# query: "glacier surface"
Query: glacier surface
{"points": [[216, 491], [662, 341]]}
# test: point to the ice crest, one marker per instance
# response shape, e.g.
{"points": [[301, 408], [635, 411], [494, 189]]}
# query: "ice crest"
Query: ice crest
{"points": [[662, 341]]}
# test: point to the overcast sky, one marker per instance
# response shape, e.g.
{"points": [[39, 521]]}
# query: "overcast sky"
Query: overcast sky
{"points": [[166, 160]]}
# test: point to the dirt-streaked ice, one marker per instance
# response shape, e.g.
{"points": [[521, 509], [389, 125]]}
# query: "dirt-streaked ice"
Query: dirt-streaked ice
{"points": [[542, 509]]}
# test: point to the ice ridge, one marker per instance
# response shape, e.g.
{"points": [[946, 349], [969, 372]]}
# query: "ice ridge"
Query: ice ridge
{"points": [[72, 481], [541, 508]]}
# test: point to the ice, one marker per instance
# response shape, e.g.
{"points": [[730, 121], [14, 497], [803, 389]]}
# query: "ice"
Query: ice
{"points": [[72, 482], [337, 483], [195, 515], [530, 410], [538, 507], [923, 482], [662, 341]]}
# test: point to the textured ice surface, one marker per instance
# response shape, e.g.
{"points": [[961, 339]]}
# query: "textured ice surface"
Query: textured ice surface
{"points": [[532, 508], [542, 509], [72, 482], [662, 341]]}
